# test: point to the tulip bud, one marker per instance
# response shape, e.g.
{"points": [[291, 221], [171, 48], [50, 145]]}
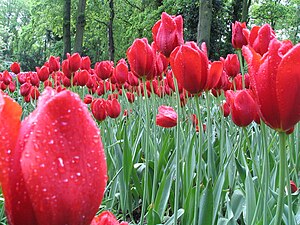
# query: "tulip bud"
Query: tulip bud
{"points": [[15, 68]]}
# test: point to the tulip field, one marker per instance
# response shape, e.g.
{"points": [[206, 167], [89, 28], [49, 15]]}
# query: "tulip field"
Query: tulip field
{"points": [[163, 136]]}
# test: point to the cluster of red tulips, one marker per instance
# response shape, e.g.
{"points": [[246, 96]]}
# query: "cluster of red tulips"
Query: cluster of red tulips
{"points": [[34, 149]]}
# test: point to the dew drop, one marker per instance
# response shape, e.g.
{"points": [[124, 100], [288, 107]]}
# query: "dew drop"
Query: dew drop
{"points": [[64, 123], [61, 162]]}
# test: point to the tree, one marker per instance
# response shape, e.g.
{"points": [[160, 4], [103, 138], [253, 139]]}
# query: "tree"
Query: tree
{"points": [[110, 31], [80, 26], [204, 22], [67, 27], [245, 10]]}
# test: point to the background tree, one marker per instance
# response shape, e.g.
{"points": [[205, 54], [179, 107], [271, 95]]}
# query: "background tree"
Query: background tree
{"points": [[80, 24], [67, 28], [204, 22]]}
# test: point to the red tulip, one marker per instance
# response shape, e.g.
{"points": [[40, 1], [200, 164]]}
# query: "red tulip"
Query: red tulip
{"points": [[130, 97], [294, 187], [232, 65], [142, 59], [121, 71], [98, 108], [74, 62], [6, 77], [225, 109], [194, 120], [66, 68], [15, 67], [53, 168], [25, 89], [168, 33], [85, 63], [12, 87], [34, 79], [104, 69], [113, 108], [88, 99], [242, 106], [239, 38], [34, 93], [166, 117], [43, 73], [238, 81], [133, 80], [275, 79], [81, 77], [191, 68], [53, 64], [106, 218], [260, 37]]}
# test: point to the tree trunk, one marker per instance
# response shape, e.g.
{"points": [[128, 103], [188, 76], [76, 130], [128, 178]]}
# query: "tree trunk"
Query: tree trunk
{"points": [[66, 28], [237, 5], [110, 31], [204, 22], [80, 26], [245, 12]]}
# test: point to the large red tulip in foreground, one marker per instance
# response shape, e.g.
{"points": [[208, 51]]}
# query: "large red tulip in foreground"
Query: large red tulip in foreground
{"points": [[53, 168], [275, 79]]}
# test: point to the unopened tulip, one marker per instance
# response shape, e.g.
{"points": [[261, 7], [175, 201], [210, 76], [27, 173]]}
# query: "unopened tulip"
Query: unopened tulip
{"points": [[43, 73], [192, 70], [88, 99], [6, 77], [142, 59], [168, 33], [85, 63], [239, 38], [15, 67], [232, 65], [54, 64], [74, 62], [104, 69], [106, 218], [242, 107], [166, 117], [121, 71], [98, 108], [113, 108]]}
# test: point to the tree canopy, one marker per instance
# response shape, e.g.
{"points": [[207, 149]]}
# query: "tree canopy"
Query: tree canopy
{"points": [[32, 30]]}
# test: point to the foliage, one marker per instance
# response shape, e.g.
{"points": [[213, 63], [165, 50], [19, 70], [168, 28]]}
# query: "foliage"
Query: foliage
{"points": [[31, 31], [283, 16]]}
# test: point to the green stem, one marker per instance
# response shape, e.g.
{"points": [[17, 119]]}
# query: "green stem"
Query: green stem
{"points": [[210, 159], [266, 173], [146, 151], [198, 173], [239, 53], [289, 195], [282, 166], [177, 156]]}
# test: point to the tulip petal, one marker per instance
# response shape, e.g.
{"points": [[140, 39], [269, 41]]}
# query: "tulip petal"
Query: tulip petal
{"points": [[214, 76], [63, 161], [17, 203], [10, 114], [288, 91]]}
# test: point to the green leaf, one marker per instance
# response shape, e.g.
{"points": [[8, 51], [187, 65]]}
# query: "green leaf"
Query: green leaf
{"points": [[163, 194], [206, 205]]}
